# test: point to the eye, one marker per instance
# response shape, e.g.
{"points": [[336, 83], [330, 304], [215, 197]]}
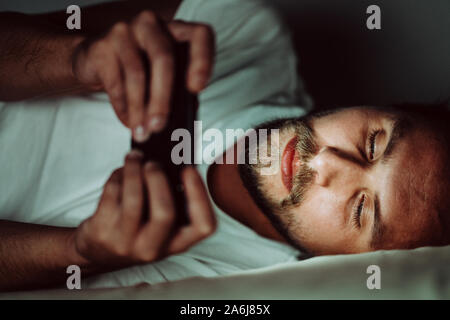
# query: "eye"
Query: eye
{"points": [[358, 211], [372, 144]]}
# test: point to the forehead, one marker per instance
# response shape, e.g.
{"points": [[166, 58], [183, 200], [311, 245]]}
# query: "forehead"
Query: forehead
{"points": [[412, 190]]}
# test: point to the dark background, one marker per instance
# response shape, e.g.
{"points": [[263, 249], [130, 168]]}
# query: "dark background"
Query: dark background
{"points": [[344, 63]]}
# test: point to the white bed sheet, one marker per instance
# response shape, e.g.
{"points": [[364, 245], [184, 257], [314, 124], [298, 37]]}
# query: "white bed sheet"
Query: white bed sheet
{"points": [[422, 273]]}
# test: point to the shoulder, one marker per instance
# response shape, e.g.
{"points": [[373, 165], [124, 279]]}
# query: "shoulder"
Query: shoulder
{"points": [[235, 22]]}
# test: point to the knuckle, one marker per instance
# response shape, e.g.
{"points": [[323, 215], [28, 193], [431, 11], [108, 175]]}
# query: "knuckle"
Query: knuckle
{"points": [[147, 255], [166, 58], [109, 207], [100, 237], [204, 30], [111, 188], [206, 230], [121, 250], [133, 206], [120, 28], [116, 175], [151, 256], [147, 16], [99, 51], [116, 95], [132, 161], [165, 206], [100, 45], [115, 89], [165, 216]]}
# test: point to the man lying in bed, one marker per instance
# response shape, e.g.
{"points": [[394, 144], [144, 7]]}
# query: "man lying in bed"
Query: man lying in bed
{"points": [[353, 171]]}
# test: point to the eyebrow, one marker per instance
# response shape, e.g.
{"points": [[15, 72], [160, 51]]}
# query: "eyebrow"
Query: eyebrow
{"points": [[378, 227], [399, 126], [398, 129]]}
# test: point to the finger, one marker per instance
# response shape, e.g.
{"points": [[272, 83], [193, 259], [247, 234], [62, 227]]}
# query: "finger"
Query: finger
{"points": [[134, 74], [132, 194], [154, 39], [202, 50], [202, 219], [112, 188], [111, 197], [113, 83], [154, 235]]}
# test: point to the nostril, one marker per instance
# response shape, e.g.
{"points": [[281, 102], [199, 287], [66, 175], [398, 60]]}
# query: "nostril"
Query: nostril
{"points": [[320, 179], [319, 166], [324, 164]]}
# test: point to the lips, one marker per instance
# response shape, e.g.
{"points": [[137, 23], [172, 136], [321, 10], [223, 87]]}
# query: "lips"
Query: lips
{"points": [[287, 163]]}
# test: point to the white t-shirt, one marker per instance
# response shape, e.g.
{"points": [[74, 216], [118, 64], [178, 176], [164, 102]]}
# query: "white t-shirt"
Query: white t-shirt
{"points": [[56, 154]]}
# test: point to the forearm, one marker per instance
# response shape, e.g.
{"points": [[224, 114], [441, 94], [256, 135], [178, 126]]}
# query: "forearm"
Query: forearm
{"points": [[36, 256], [35, 59]]}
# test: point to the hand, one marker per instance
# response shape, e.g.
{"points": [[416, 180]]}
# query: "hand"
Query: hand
{"points": [[116, 236], [115, 63]]}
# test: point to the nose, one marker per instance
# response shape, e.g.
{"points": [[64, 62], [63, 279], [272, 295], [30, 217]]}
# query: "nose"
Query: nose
{"points": [[333, 166]]}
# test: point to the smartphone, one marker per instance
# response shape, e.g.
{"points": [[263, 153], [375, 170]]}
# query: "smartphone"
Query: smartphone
{"points": [[159, 146]]}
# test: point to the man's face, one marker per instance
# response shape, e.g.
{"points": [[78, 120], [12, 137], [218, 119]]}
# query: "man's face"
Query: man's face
{"points": [[367, 179]]}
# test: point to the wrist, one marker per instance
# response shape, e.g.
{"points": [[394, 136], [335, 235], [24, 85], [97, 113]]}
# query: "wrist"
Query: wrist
{"points": [[60, 69], [75, 46], [72, 253]]}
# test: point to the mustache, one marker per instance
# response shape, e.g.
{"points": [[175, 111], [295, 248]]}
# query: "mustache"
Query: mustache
{"points": [[301, 184], [307, 148]]}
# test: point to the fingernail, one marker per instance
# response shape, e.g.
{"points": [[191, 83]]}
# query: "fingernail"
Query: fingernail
{"points": [[135, 154], [139, 134], [156, 123]]}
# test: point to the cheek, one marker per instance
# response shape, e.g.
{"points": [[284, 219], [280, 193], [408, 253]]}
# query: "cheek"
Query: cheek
{"points": [[320, 218], [341, 130]]}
